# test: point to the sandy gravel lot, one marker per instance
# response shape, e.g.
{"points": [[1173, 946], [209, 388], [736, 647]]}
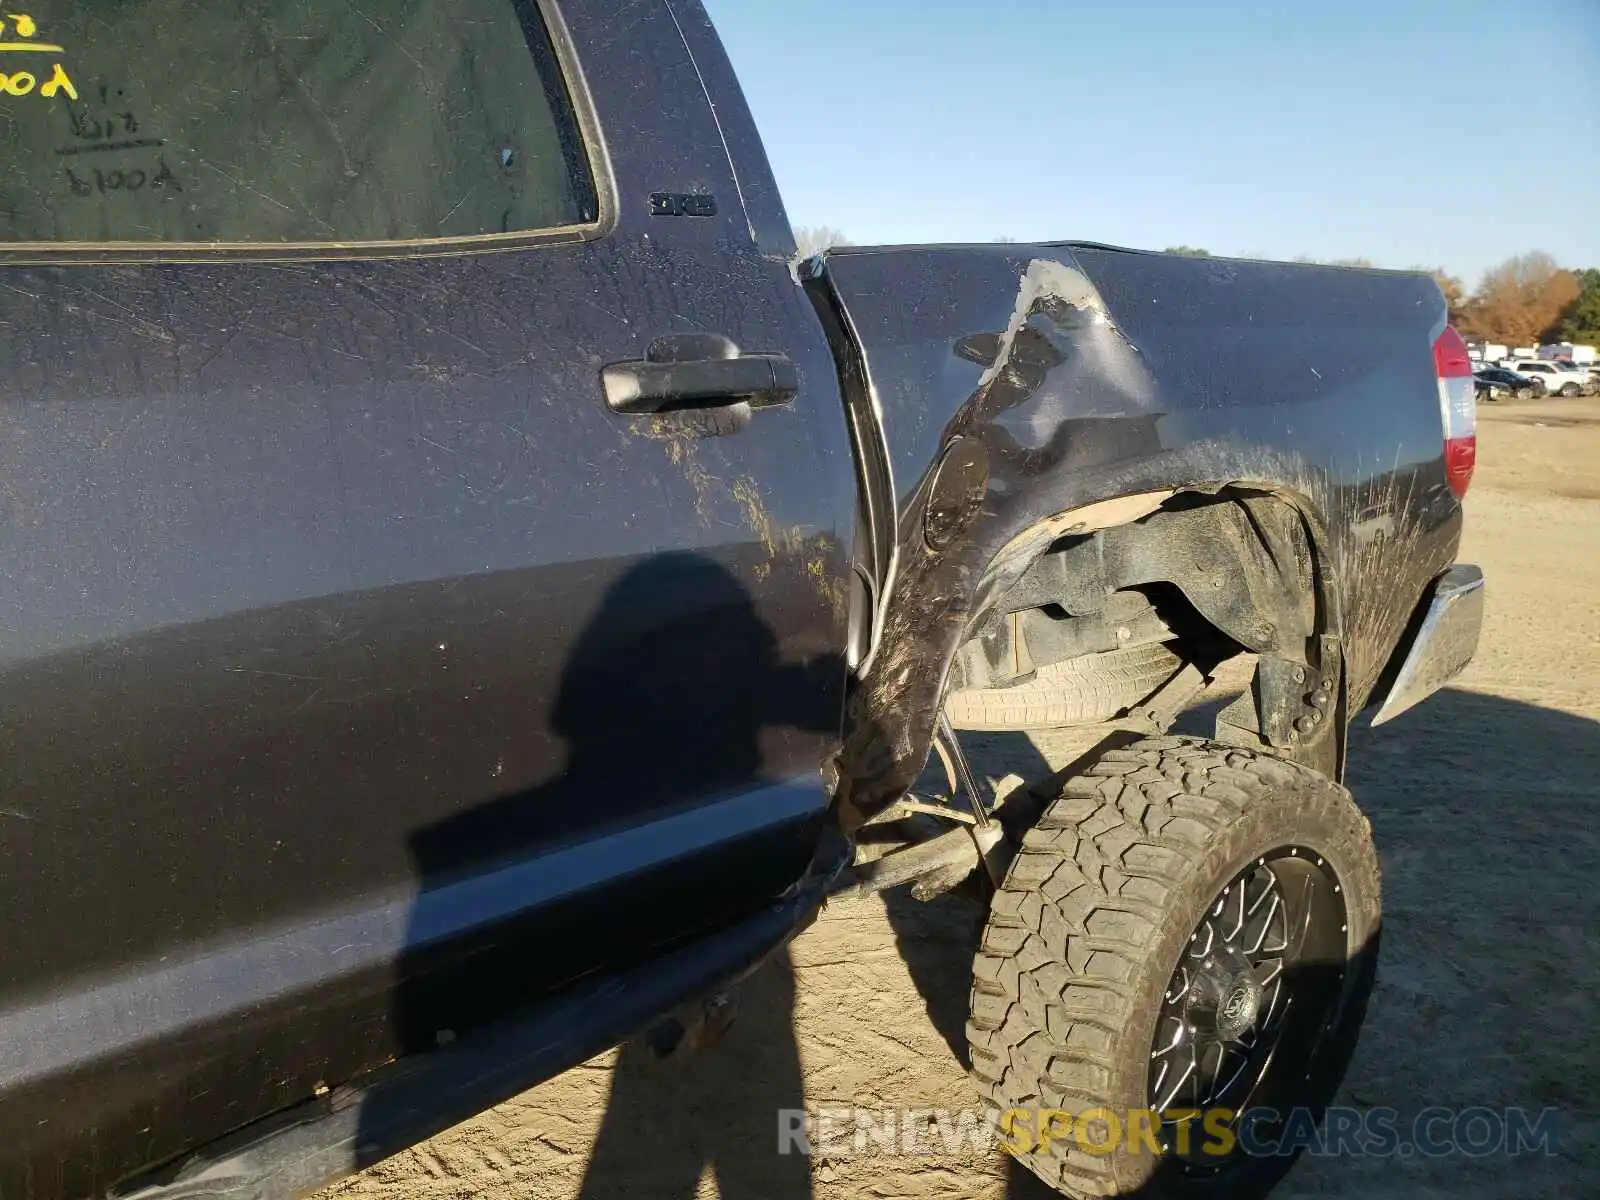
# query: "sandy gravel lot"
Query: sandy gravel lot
{"points": [[1484, 803]]}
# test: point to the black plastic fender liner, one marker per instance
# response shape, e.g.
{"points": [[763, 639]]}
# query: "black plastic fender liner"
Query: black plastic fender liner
{"points": [[308, 1147]]}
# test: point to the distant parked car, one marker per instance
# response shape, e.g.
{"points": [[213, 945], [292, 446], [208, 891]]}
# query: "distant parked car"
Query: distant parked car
{"points": [[1522, 387], [1488, 389], [1584, 373], [1557, 381]]}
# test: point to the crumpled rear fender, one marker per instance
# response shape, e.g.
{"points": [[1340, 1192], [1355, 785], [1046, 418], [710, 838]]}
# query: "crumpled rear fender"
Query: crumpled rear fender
{"points": [[1016, 395]]}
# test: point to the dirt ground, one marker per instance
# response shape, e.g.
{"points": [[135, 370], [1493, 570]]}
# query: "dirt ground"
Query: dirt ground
{"points": [[1484, 805]]}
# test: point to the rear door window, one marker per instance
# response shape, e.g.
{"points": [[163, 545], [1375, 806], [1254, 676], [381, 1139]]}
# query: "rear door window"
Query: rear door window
{"points": [[174, 122]]}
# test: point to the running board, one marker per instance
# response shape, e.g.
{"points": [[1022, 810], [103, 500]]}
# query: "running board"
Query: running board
{"points": [[352, 1127]]}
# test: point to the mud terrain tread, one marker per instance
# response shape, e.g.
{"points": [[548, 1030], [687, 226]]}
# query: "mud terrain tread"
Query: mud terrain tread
{"points": [[1077, 691], [1083, 910]]}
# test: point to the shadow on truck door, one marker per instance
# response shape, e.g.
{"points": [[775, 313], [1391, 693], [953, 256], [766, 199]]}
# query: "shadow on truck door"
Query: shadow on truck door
{"points": [[675, 687]]}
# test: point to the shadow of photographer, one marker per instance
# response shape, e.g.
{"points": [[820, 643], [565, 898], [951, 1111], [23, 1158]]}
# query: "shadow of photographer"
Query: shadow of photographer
{"points": [[677, 702]]}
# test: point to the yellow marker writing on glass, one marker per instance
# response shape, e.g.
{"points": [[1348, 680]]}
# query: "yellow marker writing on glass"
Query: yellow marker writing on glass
{"points": [[59, 82], [26, 27], [22, 83]]}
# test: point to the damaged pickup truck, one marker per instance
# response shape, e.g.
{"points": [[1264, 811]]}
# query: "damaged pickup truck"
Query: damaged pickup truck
{"points": [[468, 587]]}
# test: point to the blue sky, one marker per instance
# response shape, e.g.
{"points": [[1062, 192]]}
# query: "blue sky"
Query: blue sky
{"points": [[1384, 128]]}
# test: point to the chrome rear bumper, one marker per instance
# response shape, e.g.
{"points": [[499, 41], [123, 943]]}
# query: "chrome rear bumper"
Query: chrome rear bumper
{"points": [[1443, 643]]}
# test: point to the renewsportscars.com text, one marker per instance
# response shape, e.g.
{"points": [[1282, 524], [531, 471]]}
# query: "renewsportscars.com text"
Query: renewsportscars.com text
{"points": [[1477, 1132]]}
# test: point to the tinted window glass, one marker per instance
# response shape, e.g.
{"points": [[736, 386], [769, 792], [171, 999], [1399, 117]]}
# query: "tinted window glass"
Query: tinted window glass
{"points": [[170, 121]]}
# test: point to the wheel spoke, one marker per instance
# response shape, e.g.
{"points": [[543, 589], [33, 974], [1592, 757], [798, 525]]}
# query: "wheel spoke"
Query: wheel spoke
{"points": [[1172, 1093], [1238, 925], [1270, 889], [1266, 926], [1222, 1088], [1275, 1014], [1206, 1084], [1305, 920], [1174, 1042], [1178, 984]]}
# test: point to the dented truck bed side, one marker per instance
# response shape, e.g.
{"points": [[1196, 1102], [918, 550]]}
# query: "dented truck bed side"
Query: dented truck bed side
{"points": [[1026, 394]]}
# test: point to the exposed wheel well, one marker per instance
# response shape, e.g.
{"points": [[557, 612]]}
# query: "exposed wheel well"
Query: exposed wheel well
{"points": [[1206, 574]]}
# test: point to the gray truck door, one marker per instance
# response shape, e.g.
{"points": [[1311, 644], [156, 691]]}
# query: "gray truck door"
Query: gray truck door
{"points": [[365, 665]]}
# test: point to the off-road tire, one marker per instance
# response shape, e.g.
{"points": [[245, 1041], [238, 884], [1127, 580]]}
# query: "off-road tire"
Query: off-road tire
{"points": [[1095, 912], [1078, 691]]}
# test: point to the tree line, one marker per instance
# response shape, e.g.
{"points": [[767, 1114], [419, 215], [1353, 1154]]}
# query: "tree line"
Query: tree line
{"points": [[1527, 300]]}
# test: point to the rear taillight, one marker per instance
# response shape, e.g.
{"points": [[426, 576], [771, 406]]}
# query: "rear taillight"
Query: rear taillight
{"points": [[1458, 408]]}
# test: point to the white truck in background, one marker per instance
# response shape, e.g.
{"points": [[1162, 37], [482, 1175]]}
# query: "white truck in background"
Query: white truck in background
{"points": [[1559, 378]]}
